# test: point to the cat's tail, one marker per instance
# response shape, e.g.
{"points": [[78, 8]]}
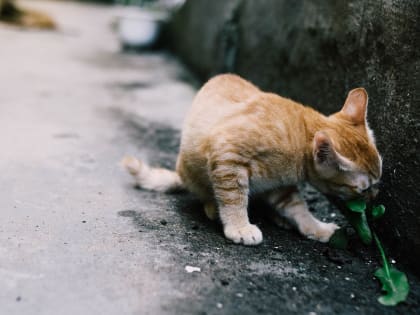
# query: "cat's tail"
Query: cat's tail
{"points": [[150, 178]]}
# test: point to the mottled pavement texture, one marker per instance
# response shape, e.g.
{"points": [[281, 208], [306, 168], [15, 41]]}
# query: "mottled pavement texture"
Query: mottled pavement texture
{"points": [[77, 238]]}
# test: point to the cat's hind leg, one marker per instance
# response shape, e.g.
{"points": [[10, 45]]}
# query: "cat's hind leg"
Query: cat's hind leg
{"points": [[288, 204], [210, 209], [231, 189]]}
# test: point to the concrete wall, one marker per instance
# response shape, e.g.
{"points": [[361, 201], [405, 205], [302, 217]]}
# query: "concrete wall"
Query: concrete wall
{"points": [[314, 52]]}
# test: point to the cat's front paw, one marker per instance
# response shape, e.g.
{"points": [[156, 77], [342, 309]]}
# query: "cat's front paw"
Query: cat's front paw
{"points": [[320, 231], [248, 235]]}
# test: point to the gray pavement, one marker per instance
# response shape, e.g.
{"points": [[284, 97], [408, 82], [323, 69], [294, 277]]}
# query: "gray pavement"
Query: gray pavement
{"points": [[77, 238]]}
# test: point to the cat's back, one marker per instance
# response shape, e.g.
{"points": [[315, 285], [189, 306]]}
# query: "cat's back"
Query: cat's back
{"points": [[226, 88], [221, 97]]}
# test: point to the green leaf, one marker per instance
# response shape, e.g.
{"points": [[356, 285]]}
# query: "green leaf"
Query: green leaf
{"points": [[378, 211], [356, 205], [339, 239], [394, 282]]}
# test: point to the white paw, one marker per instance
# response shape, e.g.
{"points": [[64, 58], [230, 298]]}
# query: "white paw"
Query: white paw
{"points": [[319, 231], [248, 235]]}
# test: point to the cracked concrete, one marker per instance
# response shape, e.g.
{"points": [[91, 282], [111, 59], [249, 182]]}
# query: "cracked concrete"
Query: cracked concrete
{"points": [[77, 238]]}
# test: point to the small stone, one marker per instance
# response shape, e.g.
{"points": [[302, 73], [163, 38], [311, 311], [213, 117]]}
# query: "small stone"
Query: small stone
{"points": [[393, 261], [84, 221], [163, 222], [311, 313], [239, 295], [219, 305], [347, 278], [191, 269], [294, 288], [332, 215], [352, 296], [339, 267], [18, 299], [195, 227]]}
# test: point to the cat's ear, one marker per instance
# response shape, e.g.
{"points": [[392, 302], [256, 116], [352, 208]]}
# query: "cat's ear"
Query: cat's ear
{"points": [[355, 106], [323, 149], [327, 160]]}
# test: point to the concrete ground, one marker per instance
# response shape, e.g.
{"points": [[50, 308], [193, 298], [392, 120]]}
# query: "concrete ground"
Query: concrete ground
{"points": [[77, 238]]}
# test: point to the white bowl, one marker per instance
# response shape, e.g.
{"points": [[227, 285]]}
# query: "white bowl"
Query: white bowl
{"points": [[138, 29]]}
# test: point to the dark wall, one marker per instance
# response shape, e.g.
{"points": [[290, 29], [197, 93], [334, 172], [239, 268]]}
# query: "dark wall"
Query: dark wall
{"points": [[314, 52]]}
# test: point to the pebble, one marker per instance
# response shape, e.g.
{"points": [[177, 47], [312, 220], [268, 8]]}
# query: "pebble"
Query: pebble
{"points": [[347, 278], [163, 222], [191, 269], [294, 288], [332, 215], [219, 305], [239, 295], [352, 296]]}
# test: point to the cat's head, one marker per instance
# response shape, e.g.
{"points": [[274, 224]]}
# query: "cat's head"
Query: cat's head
{"points": [[346, 161]]}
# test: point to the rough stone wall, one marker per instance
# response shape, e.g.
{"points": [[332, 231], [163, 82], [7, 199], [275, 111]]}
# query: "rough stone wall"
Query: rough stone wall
{"points": [[314, 52]]}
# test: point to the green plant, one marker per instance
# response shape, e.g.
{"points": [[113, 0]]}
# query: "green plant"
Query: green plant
{"points": [[394, 282], [356, 215]]}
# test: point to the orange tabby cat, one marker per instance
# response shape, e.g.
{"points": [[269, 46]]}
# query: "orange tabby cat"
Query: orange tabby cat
{"points": [[238, 141]]}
